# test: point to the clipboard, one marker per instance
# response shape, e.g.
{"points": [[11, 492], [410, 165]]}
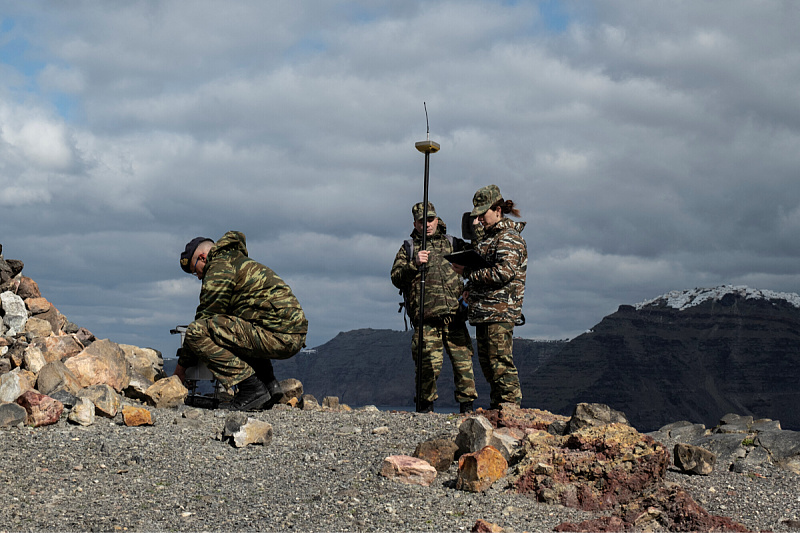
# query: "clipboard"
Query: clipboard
{"points": [[469, 258]]}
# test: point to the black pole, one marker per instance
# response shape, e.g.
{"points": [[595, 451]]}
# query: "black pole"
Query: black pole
{"points": [[427, 147], [423, 268]]}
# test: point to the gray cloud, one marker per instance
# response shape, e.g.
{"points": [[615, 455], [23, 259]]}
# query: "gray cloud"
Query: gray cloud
{"points": [[650, 147]]}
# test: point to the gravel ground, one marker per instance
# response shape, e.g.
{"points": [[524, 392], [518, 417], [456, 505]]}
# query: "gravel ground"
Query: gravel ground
{"points": [[319, 474]]}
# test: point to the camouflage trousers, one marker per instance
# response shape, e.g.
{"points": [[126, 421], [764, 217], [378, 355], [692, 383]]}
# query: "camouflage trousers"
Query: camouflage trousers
{"points": [[453, 336], [495, 345], [234, 349]]}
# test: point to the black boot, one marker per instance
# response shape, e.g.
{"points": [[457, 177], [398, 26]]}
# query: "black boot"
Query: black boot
{"points": [[276, 393], [465, 407], [251, 395], [425, 406], [265, 372]]}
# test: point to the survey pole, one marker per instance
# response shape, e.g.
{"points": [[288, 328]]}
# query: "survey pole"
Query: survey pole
{"points": [[427, 147]]}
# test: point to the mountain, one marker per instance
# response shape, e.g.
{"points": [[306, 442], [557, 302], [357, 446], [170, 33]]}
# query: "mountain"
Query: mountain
{"points": [[688, 355], [374, 366]]}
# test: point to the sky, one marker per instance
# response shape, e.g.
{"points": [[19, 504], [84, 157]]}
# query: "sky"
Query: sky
{"points": [[650, 146]]}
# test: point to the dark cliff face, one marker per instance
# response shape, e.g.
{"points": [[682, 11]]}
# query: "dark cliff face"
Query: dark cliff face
{"points": [[372, 366], [659, 364]]}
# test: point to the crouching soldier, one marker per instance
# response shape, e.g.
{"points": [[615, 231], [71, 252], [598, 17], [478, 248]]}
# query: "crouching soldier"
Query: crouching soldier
{"points": [[247, 316], [443, 325]]}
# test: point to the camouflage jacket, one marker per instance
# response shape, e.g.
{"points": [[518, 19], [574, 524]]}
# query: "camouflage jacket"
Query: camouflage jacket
{"points": [[496, 292], [235, 285], [442, 285]]}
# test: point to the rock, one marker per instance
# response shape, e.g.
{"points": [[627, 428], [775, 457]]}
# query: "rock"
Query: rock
{"points": [[694, 459], [37, 305], [664, 507], [243, 430], [594, 468], [474, 433], [136, 416], [439, 453], [137, 386], [28, 288], [594, 414], [733, 423], [55, 376], [309, 403], [67, 398], [105, 399], [330, 402], [682, 431], [83, 413], [42, 410], [57, 348], [12, 414], [482, 526], [507, 441], [102, 362], [56, 320], [410, 470], [33, 359], [146, 362], [292, 388], [477, 471], [13, 384], [167, 392], [14, 313], [38, 327], [783, 447]]}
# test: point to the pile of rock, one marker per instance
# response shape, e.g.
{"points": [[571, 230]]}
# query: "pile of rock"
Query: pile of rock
{"points": [[48, 365], [595, 461]]}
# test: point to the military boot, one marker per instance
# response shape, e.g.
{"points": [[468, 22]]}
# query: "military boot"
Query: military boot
{"points": [[251, 395], [276, 393], [425, 406], [465, 407]]}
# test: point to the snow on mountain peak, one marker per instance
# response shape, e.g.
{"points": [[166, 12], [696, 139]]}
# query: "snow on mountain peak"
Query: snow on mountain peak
{"points": [[689, 298]]}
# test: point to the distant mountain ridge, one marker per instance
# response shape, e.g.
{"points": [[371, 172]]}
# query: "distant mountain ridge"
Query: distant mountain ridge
{"points": [[695, 355]]}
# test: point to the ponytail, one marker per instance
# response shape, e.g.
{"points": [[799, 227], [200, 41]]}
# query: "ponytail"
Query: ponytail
{"points": [[507, 207]]}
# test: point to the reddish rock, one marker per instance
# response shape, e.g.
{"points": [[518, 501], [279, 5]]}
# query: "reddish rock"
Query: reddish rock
{"points": [[42, 410], [482, 526], [136, 416], [666, 507], [28, 288], [477, 471], [439, 453], [511, 416], [409, 470], [37, 305], [592, 469]]}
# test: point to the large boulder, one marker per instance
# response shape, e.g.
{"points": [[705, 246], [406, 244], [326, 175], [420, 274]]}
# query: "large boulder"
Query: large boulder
{"points": [[102, 362]]}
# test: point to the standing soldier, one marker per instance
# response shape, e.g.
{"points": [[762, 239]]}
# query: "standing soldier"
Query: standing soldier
{"points": [[443, 325], [496, 292]]}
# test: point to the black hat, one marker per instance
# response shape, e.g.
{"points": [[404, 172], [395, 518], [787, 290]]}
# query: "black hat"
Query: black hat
{"points": [[186, 256]]}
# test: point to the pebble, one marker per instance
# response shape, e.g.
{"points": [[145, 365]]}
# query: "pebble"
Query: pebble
{"points": [[320, 473]]}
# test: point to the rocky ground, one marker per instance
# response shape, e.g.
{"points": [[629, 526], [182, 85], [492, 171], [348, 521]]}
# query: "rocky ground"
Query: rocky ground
{"points": [[320, 473]]}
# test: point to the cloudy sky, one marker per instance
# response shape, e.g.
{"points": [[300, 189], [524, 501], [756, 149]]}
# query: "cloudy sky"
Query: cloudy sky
{"points": [[650, 146]]}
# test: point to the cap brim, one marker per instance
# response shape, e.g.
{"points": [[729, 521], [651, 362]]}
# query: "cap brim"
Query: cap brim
{"points": [[481, 209]]}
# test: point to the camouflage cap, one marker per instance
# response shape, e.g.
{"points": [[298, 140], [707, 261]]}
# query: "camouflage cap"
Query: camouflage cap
{"points": [[418, 212], [186, 256], [484, 198]]}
